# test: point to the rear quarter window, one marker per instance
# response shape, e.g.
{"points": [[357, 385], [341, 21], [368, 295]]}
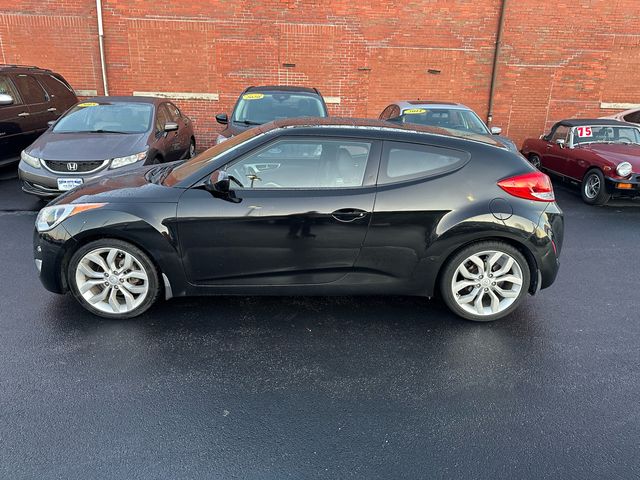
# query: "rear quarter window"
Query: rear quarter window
{"points": [[408, 161], [56, 86]]}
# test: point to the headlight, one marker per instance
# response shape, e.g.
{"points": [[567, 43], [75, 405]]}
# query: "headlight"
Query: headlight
{"points": [[128, 160], [220, 139], [624, 169], [30, 160], [51, 217]]}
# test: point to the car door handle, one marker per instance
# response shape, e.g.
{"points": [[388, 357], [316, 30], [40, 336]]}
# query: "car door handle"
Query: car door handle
{"points": [[348, 214], [24, 114], [52, 109]]}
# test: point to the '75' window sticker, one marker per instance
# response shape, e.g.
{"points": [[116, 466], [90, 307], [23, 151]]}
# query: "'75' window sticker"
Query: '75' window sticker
{"points": [[584, 132]]}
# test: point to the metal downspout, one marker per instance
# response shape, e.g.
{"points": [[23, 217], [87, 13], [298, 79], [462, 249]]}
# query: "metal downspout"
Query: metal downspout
{"points": [[101, 44], [496, 58]]}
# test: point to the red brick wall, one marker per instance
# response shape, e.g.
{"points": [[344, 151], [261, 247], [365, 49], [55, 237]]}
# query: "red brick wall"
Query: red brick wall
{"points": [[560, 59]]}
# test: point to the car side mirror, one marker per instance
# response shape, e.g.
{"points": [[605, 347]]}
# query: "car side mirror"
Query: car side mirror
{"points": [[496, 130], [218, 183], [560, 142], [6, 99], [170, 127], [222, 118]]}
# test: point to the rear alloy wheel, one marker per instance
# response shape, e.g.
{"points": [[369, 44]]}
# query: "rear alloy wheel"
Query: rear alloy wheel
{"points": [[113, 279], [535, 161], [594, 189], [485, 281]]}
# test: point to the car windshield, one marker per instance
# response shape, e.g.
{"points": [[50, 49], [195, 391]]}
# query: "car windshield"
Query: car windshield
{"points": [[190, 167], [605, 134], [452, 118], [106, 117], [259, 108]]}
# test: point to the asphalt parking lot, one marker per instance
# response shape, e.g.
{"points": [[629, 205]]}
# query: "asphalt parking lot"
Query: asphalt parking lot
{"points": [[366, 387]]}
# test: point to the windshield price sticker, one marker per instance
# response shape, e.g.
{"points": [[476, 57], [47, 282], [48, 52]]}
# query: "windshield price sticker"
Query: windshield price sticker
{"points": [[414, 111], [253, 96], [584, 132]]}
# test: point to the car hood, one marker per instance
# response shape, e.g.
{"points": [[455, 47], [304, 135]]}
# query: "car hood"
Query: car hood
{"points": [[131, 186], [617, 153], [235, 129], [506, 141], [86, 146]]}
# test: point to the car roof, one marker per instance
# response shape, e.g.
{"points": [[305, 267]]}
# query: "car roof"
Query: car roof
{"points": [[406, 104], [130, 98], [23, 68], [283, 88], [589, 122], [361, 124]]}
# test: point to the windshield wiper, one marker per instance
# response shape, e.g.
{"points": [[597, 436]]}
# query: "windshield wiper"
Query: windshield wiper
{"points": [[248, 122], [102, 131]]}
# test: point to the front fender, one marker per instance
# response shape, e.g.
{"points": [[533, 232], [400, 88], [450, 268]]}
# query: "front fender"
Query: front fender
{"points": [[151, 227]]}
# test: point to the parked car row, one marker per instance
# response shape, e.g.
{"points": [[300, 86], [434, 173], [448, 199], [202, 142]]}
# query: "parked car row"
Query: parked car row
{"points": [[425, 200]]}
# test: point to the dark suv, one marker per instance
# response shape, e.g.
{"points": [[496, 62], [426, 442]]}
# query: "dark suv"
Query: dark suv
{"points": [[30, 97], [258, 105]]}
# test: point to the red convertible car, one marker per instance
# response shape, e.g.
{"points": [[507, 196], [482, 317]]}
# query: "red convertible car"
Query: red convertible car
{"points": [[602, 155]]}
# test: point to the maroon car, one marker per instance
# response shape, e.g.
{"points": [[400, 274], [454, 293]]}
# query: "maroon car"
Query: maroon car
{"points": [[602, 155]]}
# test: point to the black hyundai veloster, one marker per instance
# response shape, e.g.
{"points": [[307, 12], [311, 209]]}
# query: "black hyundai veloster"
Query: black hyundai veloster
{"points": [[311, 207]]}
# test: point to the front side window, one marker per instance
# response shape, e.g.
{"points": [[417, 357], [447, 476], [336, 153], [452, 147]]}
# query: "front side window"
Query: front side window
{"points": [[259, 108], [174, 112], [452, 118], [405, 161], [297, 163], [106, 117], [386, 113], [56, 86], [31, 90], [163, 117], [6, 88], [559, 133]]}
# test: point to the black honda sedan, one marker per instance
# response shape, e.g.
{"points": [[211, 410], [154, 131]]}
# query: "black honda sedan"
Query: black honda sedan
{"points": [[311, 206], [104, 135]]}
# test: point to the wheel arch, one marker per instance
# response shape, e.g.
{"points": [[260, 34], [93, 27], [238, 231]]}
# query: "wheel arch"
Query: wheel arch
{"points": [[518, 245], [172, 269]]}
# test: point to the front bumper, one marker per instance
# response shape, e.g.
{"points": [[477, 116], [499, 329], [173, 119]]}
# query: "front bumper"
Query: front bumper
{"points": [[624, 187], [49, 249], [44, 183]]}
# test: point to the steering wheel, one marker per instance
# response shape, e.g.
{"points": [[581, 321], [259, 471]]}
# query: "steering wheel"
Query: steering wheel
{"points": [[625, 139]]}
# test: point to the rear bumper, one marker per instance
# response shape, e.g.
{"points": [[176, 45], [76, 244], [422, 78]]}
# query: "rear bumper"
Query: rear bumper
{"points": [[546, 242]]}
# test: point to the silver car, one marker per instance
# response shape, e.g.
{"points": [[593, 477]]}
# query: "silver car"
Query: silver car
{"points": [[454, 116]]}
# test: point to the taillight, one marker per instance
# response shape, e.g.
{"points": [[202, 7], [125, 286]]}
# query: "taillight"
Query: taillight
{"points": [[532, 186]]}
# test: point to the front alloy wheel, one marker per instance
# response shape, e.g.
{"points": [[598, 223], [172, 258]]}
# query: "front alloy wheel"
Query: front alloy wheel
{"points": [[485, 281], [535, 161], [113, 279], [594, 189]]}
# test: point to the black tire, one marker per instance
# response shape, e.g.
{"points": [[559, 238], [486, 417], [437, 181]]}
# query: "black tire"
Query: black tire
{"points": [[446, 279], [587, 188], [151, 271], [535, 161], [192, 148]]}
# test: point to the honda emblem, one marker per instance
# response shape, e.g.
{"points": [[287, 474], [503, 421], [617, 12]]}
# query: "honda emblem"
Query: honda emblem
{"points": [[72, 166]]}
